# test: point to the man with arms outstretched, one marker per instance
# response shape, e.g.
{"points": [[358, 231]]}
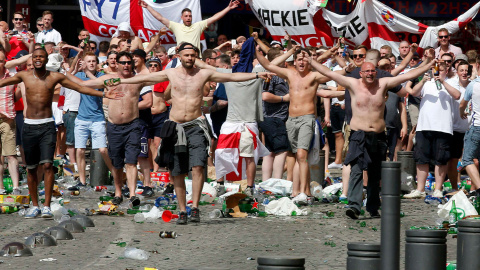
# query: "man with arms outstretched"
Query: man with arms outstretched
{"points": [[187, 94], [301, 112], [39, 135], [368, 145]]}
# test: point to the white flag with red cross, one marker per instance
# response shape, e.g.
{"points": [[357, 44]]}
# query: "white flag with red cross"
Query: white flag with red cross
{"points": [[101, 18]]}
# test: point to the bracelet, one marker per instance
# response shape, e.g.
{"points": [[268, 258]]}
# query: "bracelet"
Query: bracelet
{"points": [[257, 74], [282, 99]]}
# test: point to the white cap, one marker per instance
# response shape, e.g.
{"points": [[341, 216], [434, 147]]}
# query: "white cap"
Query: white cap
{"points": [[123, 26], [289, 59]]}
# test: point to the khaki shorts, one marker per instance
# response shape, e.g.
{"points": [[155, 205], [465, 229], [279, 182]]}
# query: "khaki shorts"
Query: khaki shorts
{"points": [[346, 134], [7, 133], [413, 111], [300, 131], [246, 145]]}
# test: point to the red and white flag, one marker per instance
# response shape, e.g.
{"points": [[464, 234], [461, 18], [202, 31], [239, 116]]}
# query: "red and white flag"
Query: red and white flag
{"points": [[430, 36], [101, 18], [227, 155]]}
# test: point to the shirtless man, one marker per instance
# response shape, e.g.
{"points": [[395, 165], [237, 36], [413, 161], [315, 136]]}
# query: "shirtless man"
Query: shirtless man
{"points": [[301, 121], [187, 94], [39, 136], [123, 128], [368, 146]]}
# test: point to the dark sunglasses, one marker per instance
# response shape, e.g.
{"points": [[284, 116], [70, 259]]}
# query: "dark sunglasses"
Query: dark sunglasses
{"points": [[442, 37], [153, 65], [124, 62], [18, 19], [416, 58], [41, 25], [447, 61], [93, 48], [358, 55]]}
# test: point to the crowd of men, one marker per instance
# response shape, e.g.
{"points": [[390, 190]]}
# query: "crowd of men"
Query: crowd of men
{"points": [[146, 108]]}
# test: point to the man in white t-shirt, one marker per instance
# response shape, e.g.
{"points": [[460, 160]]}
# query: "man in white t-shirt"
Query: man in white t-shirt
{"points": [[434, 129], [472, 137], [187, 31], [48, 33]]}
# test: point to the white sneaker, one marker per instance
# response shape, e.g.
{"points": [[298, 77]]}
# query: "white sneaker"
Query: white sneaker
{"points": [[415, 195], [300, 199], [334, 165], [437, 193]]}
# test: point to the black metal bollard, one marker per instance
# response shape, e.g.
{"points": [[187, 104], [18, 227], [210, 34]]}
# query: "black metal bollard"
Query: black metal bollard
{"points": [[98, 169], [468, 244], [280, 262], [390, 233], [425, 249], [363, 255]]}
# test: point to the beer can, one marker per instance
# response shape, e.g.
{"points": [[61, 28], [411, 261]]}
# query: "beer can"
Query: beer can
{"points": [[167, 234]]}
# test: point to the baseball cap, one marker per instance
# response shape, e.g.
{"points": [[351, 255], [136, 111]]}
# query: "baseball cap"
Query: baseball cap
{"points": [[140, 52], [20, 54], [154, 59], [275, 42]]}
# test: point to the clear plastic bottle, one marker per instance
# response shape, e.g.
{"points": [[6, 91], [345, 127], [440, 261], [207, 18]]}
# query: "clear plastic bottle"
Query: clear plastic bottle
{"points": [[139, 218], [216, 213]]}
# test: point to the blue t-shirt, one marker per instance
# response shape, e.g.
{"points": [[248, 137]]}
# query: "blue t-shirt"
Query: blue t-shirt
{"points": [[90, 108], [219, 117]]}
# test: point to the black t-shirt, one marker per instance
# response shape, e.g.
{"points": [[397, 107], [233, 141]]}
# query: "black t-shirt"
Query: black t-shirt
{"points": [[392, 116], [219, 117], [411, 99], [356, 74]]}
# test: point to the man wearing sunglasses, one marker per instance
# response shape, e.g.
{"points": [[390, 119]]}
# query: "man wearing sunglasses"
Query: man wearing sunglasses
{"points": [[39, 27], [367, 148], [443, 38], [21, 39]]}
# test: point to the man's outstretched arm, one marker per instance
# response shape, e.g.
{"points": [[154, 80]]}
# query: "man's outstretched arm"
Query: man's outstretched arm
{"points": [[281, 72], [340, 79], [412, 74], [154, 13], [220, 14], [111, 94], [237, 77]]}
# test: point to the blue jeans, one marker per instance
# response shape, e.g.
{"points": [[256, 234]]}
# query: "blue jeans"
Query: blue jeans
{"points": [[471, 146]]}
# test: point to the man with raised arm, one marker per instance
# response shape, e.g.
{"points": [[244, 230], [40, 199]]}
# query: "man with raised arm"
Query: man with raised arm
{"points": [[189, 125], [301, 121], [368, 145], [39, 135], [188, 32]]}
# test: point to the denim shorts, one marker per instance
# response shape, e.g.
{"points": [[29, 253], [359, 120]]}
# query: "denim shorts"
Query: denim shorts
{"points": [[471, 146], [69, 123], [85, 129]]}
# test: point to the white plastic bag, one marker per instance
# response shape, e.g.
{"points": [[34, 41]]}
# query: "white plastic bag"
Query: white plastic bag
{"points": [[277, 186], [284, 207], [462, 204], [332, 189]]}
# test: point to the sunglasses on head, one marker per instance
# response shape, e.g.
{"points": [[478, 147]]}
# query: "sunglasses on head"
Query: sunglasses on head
{"points": [[18, 19], [124, 62], [358, 55], [153, 65], [442, 37]]}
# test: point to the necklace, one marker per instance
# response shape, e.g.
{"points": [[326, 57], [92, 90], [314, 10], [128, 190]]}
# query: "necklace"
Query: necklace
{"points": [[41, 77]]}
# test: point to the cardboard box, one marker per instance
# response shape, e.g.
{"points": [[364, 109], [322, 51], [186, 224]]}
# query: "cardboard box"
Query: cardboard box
{"points": [[160, 178], [14, 199]]}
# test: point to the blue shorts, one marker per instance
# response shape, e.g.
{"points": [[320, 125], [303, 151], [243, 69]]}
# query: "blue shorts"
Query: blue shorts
{"points": [[157, 122], [471, 146], [69, 123], [85, 129], [124, 142]]}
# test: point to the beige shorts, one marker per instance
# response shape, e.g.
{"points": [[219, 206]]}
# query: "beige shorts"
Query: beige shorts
{"points": [[413, 111], [7, 133], [300, 131], [346, 132], [246, 146]]}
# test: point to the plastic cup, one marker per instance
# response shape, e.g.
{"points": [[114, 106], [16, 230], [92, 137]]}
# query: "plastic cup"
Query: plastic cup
{"points": [[167, 216]]}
